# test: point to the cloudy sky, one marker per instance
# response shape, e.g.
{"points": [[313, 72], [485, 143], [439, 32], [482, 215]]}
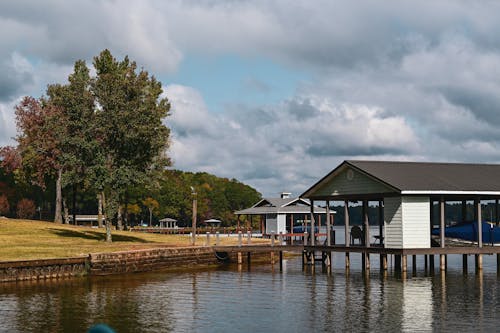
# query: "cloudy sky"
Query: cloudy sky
{"points": [[277, 93]]}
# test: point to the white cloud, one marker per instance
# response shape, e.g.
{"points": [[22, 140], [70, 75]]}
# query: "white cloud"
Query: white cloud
{"points": [[400, 80], [7, 124], [278, 147]]}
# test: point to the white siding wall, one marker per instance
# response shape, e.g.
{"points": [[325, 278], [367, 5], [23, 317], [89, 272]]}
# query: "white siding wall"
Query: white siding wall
{"points": [[416, 225], [393, 223], [271, 223], [281, 223]]}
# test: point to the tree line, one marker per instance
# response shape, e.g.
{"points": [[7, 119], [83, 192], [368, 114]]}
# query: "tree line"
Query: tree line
{"points": [[103, 138], [217, 198]]}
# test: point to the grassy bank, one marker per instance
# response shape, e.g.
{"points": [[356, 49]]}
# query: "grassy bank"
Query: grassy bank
{"points": [[26, 239]]}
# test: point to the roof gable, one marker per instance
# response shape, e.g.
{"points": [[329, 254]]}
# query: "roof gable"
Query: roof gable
{"points": [[380, 177], [348, 180]]}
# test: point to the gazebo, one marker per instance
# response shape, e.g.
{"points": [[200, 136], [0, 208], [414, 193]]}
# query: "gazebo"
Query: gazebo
{"points": [[213, 222], [168, 223]]}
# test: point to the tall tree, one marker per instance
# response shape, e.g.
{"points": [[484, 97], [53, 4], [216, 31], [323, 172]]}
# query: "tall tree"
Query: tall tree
{"points": [[75, 140], [39, 126], [129, 124]]}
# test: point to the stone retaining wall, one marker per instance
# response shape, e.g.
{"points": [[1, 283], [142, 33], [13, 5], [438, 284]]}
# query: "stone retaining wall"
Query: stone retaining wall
{"points": [[43, 269], [149, 260], [117, 263]]}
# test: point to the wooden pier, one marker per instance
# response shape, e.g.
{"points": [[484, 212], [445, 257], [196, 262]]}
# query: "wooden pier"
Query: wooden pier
{"points": [[322, 254]]}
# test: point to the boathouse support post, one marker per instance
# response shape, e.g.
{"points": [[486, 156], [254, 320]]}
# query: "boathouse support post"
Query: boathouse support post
{"points": [[217, 238], [346, 232], [464, 210], [464, 263], [281, 261], [442, 204], [328, 227], [442, 219], [313, 224], [497, 217], [240, 238], [479, 223], [414, 264], [431, 220], [291, 228], [442, 262], [366, 223], [404, 263], [479, 262], [240, 258], [249, 237], [431, 263], [367, 260], [383, 262], [498, 263], [397, 262], [479, 257], [380, 221]]}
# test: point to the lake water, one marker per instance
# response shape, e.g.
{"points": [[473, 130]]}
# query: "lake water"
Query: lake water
{"points": [[262, 299]]}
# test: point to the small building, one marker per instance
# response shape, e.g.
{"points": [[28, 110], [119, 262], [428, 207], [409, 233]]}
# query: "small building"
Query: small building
{"points": [[281, 214], [168, 223], [406, 192]]}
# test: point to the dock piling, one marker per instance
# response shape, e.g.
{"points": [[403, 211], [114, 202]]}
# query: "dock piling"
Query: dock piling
{"points": [[442, 262]]}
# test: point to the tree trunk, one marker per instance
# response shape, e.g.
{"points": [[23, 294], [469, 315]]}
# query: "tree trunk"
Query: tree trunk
{"points": [[66, 212], [99, 210], [150, 216], [58, 216], [111, 208], [74, 204], [108, 231], [125, 212], [119, 219]]}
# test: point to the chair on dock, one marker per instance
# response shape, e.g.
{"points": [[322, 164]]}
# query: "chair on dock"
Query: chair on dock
{"points": [[357, 233]]}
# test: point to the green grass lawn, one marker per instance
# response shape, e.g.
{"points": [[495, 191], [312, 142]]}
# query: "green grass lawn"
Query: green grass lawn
{"points": [[26, 239]]}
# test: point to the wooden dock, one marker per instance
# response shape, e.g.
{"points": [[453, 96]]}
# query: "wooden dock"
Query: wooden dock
{"points": [[313, 254]]}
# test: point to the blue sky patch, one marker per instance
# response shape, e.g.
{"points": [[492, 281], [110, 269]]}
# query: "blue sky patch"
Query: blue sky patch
{"points": [[232, 79]]}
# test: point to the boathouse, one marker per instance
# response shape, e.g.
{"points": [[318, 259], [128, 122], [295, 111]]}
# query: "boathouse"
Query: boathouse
{"points": [[406, 193], [281, 215]]}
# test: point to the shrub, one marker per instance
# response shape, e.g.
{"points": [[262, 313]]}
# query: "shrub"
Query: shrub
{"points": [[4, 205], [25, 209]]}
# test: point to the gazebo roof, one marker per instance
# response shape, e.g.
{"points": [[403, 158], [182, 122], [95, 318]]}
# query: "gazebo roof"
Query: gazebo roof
{"points": [[409, 178], [168, 219]]}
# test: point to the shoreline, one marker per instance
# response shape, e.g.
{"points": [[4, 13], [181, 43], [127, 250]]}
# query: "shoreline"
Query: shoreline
{"points": [[115, 263]]}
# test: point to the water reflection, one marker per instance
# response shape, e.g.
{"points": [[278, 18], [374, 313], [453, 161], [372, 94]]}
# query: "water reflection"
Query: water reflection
{"points": [[262, 299]]}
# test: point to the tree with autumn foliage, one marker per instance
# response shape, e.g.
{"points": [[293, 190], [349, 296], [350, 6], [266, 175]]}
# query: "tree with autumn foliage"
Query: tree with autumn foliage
{"points": [[38, 123], [4, 205]]}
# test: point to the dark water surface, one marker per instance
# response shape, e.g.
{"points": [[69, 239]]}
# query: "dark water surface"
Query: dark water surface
{"points": [[261, 299]]}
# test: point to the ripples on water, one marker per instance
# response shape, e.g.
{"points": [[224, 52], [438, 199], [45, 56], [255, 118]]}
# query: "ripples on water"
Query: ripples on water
{"points": [[261, 299]]}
